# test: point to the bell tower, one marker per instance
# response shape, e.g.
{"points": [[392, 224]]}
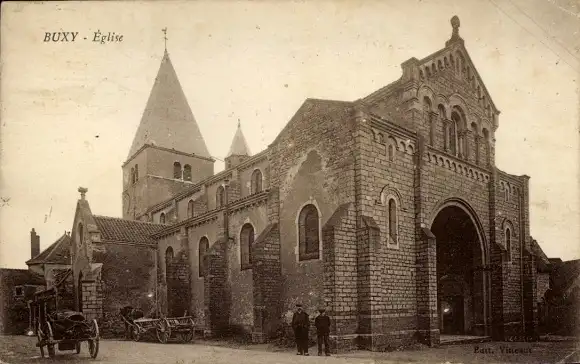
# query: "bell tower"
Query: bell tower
{"points": [[168, 152]]}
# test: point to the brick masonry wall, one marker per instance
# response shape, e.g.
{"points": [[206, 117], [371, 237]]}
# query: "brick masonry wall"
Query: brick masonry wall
{"points": [[217, 301], [266, 283], [542, 285], [240, 282], [508, 215], [195, 234], [311, 162]]}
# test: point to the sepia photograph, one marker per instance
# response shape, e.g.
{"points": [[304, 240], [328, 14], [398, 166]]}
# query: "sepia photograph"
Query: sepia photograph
{"points": [[260, 181]]}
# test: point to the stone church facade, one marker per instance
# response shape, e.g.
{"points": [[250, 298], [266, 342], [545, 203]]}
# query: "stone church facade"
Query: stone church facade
{"points": [[389, 211]]}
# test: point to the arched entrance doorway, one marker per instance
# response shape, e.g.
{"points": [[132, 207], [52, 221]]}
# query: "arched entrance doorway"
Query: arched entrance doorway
{"points": [[461, 292]]}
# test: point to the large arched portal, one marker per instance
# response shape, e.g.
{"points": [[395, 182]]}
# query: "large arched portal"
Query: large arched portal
{"points": [[460, 281]]}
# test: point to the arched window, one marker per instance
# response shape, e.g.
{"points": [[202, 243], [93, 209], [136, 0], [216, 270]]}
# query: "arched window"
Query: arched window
{"points": [[168, 260], [132, 175], [203, 248], [508, 244], [162, 218], [393, 236], [507, 192], [442, 116], [426, 109], [220, 197], [486, 146], [256, 181], [136, 172], [187, 172], [391, 152], [308, 233], [190, 208], [246, 241], [177, 170], [452, 132]]}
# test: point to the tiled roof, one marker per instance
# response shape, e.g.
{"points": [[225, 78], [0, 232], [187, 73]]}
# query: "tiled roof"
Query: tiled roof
{"points": [[19, 277], [57, 253], [239, 145], [167, 120], [116, 229]]}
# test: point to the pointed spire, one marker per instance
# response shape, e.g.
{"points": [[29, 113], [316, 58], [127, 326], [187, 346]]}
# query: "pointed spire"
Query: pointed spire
{"points": [[239, 144], [167, 120]]}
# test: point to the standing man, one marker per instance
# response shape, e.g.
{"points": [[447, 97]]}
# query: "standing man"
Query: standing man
{"points": [[322, 323], [300, 325]]}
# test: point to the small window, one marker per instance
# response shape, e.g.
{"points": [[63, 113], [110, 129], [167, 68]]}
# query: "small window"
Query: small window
{"points": [[162, 218], [508, 244], [168, 259], [393, 238], [256, 181], [187, 172], [203, 248], [177, 170], [246, 241], [190, 208], [136, 172], [132, 175], [18, 291], [309, 233], [220, 197]]}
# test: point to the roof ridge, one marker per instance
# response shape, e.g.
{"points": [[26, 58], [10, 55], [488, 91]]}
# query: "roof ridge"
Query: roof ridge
{"points": [[52, 247], [128, 220], [56, 245]]}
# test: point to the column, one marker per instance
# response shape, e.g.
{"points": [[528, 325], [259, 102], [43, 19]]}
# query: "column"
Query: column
{"points": [[446, 135]]}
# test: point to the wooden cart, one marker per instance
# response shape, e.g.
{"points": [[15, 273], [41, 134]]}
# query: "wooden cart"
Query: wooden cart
{"points": [[163, 329], [182, 328], [60, 328]]}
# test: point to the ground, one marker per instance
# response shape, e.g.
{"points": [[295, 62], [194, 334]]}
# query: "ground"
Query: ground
{"points": [[21, 349]]}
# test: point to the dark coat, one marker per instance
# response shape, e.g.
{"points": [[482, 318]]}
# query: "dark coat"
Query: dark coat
{"points": [[300, 321], [322, 323]]}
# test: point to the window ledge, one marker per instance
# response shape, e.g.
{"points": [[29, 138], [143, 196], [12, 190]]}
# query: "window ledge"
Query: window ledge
{"points": [[308, 256]]}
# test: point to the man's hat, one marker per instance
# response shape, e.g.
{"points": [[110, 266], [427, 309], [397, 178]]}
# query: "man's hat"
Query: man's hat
{"points": [[298, 305]]}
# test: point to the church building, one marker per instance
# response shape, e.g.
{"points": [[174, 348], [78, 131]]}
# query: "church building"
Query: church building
{"points": [[389, 211]]}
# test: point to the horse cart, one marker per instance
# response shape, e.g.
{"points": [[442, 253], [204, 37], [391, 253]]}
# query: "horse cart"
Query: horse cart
{"points": [[163, 329], [60, 328]]}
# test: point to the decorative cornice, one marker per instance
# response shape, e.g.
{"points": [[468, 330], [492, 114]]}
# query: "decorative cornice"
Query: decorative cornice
{"points": [[148, 145]]}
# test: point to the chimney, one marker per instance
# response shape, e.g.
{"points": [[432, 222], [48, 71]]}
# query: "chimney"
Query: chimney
{"points": [[34, 244]]}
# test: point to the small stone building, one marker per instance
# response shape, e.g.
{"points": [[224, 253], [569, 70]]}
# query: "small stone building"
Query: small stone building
{"points": [[17, 286], [388, 210]]}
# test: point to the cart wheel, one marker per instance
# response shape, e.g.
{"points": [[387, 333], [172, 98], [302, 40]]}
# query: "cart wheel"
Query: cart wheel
{"points": [[94, 342], [163, 331], [39, 344], [50, 347], [78, 347], [135, 333]]}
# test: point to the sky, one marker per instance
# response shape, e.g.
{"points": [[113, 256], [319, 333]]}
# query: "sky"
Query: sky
{"points": [[69, 110]]}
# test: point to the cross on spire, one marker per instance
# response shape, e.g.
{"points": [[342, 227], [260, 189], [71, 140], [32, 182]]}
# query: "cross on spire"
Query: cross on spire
{"points": [[164, 30]]}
